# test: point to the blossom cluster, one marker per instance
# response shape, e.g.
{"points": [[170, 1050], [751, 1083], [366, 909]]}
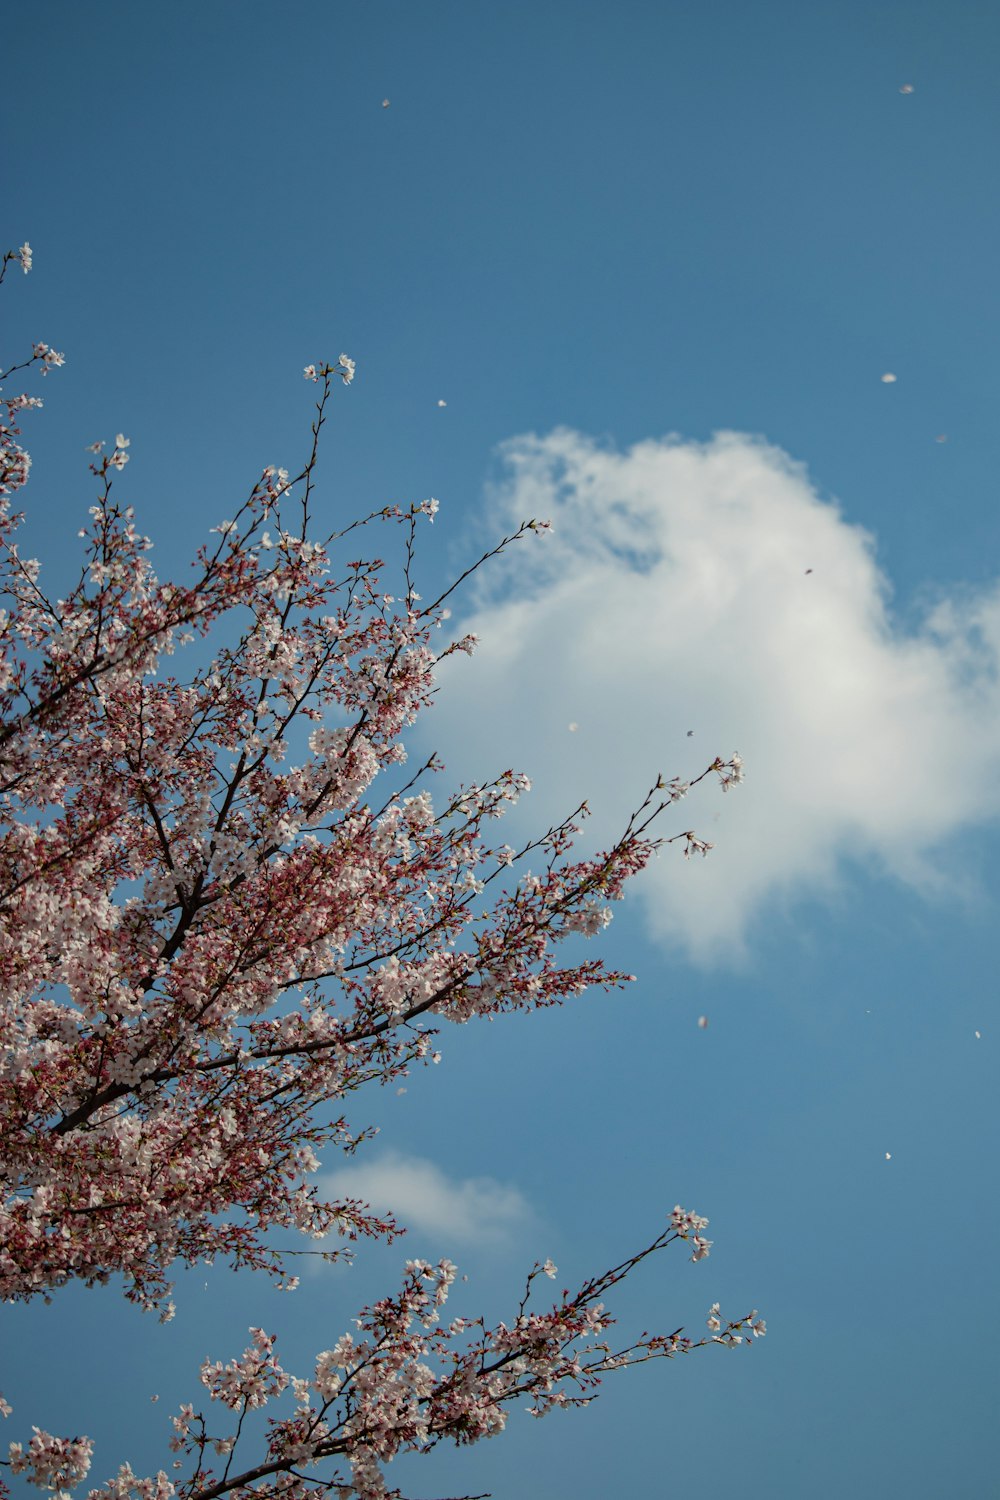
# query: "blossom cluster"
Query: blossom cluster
{"points": [[52, 1463], [344, 367], [405, 1379]]}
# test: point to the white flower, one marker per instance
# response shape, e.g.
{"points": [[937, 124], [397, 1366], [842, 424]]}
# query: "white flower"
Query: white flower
{"points": [[730, 772], [310, 372], [346, 369], [696, 845], [50, 357], [24, 254]]}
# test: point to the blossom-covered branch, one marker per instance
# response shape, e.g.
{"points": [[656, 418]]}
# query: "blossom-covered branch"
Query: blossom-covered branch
{"points": [[213, 932], [403, 1382]]}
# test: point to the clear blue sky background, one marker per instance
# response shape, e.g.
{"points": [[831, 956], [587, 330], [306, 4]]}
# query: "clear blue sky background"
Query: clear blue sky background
{"points": [[627, 220]]}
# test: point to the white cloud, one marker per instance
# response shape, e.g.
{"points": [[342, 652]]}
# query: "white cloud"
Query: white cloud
{"points": [[707, 587], [474, 1211]]}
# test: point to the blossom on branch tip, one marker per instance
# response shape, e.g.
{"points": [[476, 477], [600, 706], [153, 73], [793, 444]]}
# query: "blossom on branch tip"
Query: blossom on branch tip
{"points": [[52, 1463], [346, 369], [686, 1223], [50, 357], [24, 256], [730, 772]]}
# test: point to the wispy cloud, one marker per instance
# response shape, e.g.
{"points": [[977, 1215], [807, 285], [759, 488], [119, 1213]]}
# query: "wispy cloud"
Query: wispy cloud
{"points": [[475, 1211], [708, 588]]}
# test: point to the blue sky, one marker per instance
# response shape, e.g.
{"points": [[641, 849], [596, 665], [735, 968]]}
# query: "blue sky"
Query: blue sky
{"points": [[585, 229]]}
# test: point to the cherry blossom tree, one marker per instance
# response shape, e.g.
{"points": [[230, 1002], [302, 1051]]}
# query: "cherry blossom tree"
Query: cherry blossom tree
{"points": [[226, 905]]}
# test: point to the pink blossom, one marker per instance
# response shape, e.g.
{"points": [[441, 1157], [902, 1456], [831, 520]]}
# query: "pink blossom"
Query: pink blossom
{"points": [[52, 1463]]}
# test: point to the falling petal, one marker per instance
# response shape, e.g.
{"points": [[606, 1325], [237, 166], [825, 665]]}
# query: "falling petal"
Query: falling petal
{"points": [[385, 104], [979, 1036], [703, 1022], [888, 1156], [907, 88], [888, 378], [442, 403], [573, 727], [942, 437]]}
